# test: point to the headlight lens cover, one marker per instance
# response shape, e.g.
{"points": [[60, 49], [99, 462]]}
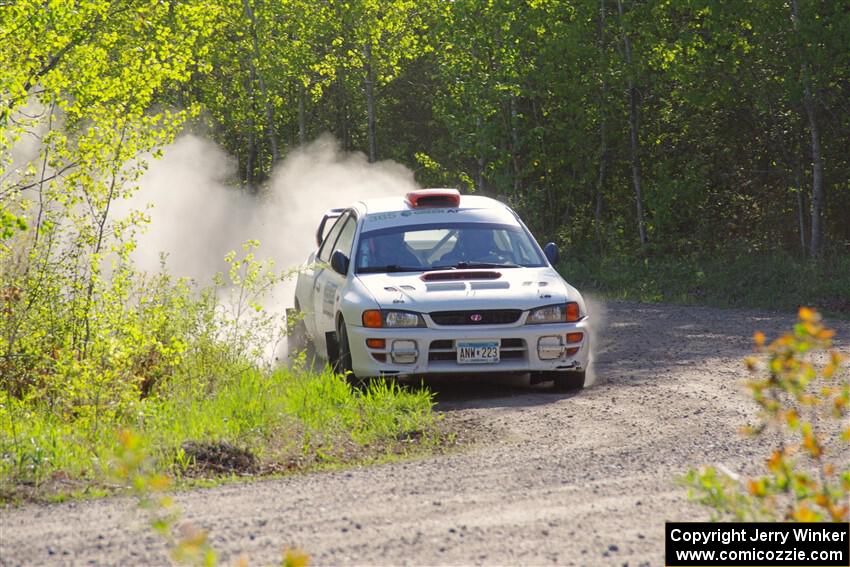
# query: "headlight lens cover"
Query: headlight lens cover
{"points": [[561, 313], [402, 319], [392, 319]]}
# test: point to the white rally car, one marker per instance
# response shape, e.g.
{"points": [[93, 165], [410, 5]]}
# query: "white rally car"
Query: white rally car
{"points": [[439, 283]]}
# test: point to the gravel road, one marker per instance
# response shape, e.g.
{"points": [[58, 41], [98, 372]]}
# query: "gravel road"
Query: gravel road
{"points": [[585, 479]]}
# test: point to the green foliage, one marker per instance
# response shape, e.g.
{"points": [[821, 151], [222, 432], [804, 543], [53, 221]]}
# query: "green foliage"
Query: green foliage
{"points": [[734, 278], [803, 393], [523, 100], [88, 344], [286, 420], [83, 334], [300, 68], [177, 364], [81, 81], [527, 101], [132, 466]]}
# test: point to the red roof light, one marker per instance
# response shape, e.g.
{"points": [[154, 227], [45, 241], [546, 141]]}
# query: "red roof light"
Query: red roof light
{"points": [[433, 198]]}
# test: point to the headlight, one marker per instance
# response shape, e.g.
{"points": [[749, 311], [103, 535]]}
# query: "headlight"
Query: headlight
{"points": [[401, 319], [561, 313], [377, 318]]}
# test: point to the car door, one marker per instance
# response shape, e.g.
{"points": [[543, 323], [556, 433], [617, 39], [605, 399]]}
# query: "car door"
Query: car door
{"points": [[328, 283], [310, 277]]}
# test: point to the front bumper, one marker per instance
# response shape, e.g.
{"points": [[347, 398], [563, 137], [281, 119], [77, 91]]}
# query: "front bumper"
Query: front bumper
{"points": [[430, 350]]}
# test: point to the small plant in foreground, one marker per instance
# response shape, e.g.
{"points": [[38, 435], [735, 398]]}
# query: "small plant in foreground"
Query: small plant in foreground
{"points": [[188, 544], [132, 466], [803, 393]]}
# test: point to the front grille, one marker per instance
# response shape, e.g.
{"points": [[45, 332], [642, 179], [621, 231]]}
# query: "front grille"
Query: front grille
{"points": [[483, 317], [444, 350]]}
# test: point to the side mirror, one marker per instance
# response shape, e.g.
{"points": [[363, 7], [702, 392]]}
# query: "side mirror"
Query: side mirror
{"points": [[552, 253], [339, 262]]}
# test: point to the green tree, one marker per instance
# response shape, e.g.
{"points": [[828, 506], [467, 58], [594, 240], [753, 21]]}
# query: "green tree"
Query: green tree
{"points": [[80, 81]]}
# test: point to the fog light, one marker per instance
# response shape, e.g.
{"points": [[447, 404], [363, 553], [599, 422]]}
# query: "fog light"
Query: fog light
{"points": [[376, 343], [550, 348], [571, 351], [404, 352], [574, 337]]}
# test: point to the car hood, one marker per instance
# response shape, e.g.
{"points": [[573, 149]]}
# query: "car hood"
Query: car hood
{"points": [[515, 288]]}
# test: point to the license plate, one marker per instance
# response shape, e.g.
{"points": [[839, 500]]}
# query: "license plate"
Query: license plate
{"points": [[477, 352]]}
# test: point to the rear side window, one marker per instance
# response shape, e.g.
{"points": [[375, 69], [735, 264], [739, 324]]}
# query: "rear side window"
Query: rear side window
{"points": [[346, 237], [327, 247]]}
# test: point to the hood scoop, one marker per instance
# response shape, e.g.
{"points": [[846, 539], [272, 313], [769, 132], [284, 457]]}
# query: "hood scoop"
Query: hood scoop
{"points": [[489, 285], [445, 286], [456, 275]]}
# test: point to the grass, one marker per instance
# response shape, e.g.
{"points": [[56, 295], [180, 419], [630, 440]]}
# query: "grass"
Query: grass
{"points": [[775, 281], [254, 423]]}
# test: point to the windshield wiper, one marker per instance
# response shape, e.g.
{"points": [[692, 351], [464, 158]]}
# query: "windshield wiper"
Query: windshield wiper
{"points": [[388, 269]]}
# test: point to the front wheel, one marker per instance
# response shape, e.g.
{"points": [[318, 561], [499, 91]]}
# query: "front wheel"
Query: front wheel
{"points": [[342, 364], [569, 381]]}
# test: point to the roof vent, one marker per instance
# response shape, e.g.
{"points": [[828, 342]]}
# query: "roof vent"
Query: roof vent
{"points": [[433, 198]]}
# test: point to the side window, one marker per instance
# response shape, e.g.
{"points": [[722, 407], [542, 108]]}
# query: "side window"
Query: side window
{"points": [[327, 244], [523, 250], [346, 237]]}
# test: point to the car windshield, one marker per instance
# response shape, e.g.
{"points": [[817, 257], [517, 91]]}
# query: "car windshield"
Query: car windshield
{"points": [[458, 245]]}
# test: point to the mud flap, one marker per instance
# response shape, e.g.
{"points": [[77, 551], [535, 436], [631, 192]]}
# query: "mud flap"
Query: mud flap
{"points": [[333, 348]]}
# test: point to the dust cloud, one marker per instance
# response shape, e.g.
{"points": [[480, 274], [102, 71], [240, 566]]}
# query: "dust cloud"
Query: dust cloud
{"points": [[197, 213], [598, 316]]}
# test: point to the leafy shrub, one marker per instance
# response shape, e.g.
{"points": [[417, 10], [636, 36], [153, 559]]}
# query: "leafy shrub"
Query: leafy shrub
{"points": [[803, 394], [178, 363], [280, 420]]}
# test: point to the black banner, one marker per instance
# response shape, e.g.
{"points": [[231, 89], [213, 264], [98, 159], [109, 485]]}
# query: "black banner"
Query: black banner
{"points": [[758, 544]]}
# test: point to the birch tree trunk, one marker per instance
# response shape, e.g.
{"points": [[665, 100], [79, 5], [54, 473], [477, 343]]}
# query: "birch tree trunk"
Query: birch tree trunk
{"points": [[633, 132], [270, 130], [603, 143], [370, 103], [251, 156], [810, 105], [302, 118], [479, 178], [515, 147]]}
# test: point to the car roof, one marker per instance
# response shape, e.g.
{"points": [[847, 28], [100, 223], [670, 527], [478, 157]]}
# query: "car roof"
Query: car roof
{"points": [[399, 203], [389, 212]]}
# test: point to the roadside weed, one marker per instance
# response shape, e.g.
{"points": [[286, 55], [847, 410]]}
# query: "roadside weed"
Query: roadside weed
{"points": [[193, 370], [802, 390]]}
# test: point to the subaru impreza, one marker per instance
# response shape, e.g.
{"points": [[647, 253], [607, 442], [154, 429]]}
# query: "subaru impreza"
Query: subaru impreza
{"points": [[438, 283]]}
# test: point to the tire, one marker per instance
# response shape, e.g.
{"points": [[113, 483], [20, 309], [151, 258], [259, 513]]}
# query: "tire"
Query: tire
{"points": [[342, 365], [569, 381]]}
